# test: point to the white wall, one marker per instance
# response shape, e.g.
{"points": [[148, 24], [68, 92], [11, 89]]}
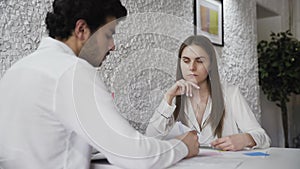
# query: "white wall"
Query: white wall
{"points": [[297, 13], [280, 7], [238, 62], [266, 25], [271, 114]]}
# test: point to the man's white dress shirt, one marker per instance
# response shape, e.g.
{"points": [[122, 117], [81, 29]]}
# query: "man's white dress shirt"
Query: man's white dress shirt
{"points": [[54, 108], [238, 119]]}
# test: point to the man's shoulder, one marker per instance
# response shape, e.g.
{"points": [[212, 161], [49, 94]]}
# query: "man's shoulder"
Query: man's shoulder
{"points": [[50, 64]]}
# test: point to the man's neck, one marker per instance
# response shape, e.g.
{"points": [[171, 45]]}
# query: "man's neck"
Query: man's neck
{"points": [[72, 43]]}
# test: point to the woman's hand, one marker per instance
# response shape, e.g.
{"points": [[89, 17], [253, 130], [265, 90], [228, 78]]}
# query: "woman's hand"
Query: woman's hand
{"points": [[179, 88], [234, 142]]}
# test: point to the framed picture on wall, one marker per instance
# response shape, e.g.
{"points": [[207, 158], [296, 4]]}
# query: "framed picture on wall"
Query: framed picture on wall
{"points": [[209, 20]]}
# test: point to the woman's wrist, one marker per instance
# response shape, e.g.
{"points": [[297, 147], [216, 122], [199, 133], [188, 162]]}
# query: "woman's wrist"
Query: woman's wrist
{"points": [[169, 99], [249, 140]]}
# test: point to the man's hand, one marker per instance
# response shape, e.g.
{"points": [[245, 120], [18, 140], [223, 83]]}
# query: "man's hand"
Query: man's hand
{"points": [[190, 139]]}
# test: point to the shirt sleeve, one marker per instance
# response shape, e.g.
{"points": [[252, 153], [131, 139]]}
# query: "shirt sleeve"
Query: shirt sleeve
{"points": [[245, 118], [90, 113], [162, 120]]}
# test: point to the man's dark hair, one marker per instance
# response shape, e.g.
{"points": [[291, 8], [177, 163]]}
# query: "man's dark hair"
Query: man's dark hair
{"points": [[61, 22]]}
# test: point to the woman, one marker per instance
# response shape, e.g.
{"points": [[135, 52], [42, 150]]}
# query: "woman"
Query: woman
{"points": [[219, 113]]}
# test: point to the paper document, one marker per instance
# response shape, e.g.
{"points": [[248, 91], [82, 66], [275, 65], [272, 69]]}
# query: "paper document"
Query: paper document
{"points": [[177, 130], [208, 163]]}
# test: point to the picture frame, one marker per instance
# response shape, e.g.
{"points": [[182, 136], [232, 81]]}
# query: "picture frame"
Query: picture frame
{"points": [[209, 20]]}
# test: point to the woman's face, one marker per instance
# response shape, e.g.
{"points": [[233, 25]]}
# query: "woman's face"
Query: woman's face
{"points": [[194, 64]]}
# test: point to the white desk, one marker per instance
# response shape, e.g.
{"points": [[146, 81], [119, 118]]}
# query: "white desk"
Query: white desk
{"points": [[279, 158]]}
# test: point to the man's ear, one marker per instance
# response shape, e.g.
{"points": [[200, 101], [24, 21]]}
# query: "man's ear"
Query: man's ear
{"points": [[82, 31]]}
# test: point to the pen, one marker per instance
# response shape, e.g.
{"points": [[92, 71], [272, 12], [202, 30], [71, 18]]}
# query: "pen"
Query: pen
{"points": [[205, 146], [208, 146]]}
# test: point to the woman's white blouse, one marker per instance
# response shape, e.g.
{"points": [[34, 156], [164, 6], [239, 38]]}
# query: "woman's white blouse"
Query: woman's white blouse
{"points": [[238, 119], [54, 108]]}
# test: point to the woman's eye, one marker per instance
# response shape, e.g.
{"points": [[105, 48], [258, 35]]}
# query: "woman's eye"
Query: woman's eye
{"points": [[186, 60], [199, 61]]}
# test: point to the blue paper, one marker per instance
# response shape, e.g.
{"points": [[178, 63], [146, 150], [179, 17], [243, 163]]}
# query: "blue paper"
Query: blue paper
{"points": [[256, 154]]}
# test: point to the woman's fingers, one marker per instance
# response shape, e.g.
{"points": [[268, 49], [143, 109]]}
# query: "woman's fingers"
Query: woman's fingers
{"points": [[194, 85], [179, 88], [186, 87], [226, 143], [182, 87]]}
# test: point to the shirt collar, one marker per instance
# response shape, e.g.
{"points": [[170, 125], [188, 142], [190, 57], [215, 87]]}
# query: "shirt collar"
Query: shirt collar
{"points": [[51, 42], [191, 113]]}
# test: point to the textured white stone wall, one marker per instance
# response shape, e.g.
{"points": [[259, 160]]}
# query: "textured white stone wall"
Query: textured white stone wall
{"points": [[21, 28], [239, 64], [143, 65]]}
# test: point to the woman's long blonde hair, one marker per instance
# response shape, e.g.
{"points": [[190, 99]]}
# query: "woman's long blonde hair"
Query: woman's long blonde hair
{"points": [[218, 108]]}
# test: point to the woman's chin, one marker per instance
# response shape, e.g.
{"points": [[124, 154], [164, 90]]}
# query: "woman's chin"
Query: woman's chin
{"points": [[192, 80]]}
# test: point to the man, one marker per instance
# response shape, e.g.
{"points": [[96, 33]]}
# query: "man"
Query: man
{"points": [[54, 109]]}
